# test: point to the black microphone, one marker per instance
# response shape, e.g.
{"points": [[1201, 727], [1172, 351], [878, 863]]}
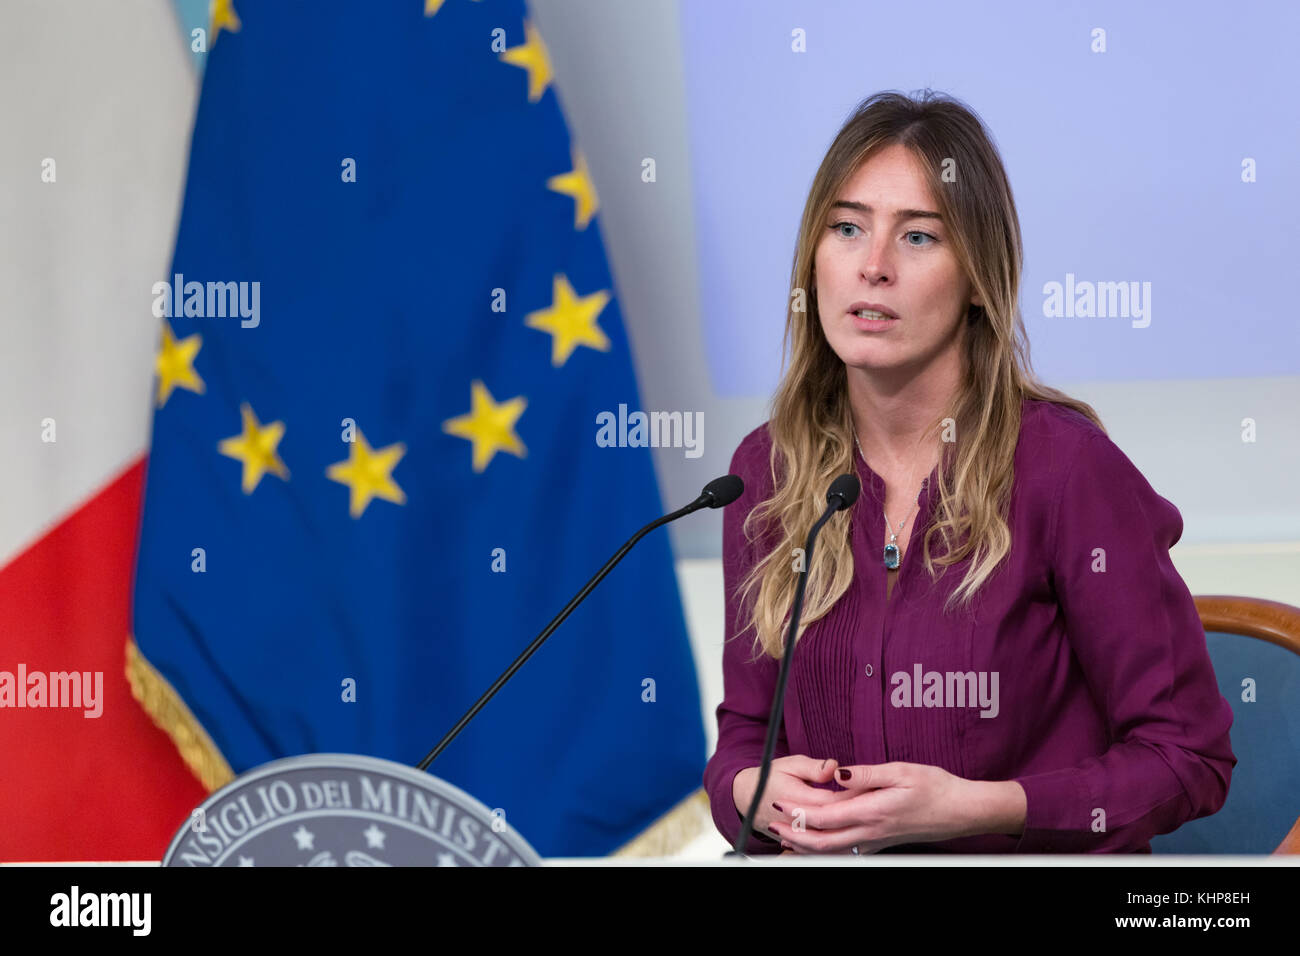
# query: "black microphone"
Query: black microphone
{"points": [[842, 493], [716, 494], [723, 491]]}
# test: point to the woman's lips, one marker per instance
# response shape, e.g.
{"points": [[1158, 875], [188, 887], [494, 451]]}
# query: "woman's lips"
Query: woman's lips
{"points": [[876, 324], [861, 306]]}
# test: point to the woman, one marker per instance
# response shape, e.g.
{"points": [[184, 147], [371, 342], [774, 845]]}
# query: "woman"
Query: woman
{"points": [[1000, 657]]}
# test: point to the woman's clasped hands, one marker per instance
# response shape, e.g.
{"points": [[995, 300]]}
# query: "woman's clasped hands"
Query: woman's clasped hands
{"points": [[880, 805]]}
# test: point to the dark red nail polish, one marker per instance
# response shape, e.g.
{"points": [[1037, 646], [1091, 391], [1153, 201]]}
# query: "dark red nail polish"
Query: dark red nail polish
{"points": [[844, 773], [778, 807]]}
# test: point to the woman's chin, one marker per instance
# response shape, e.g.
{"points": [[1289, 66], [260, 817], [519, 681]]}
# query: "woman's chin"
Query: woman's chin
{"points": [[873, 359]]}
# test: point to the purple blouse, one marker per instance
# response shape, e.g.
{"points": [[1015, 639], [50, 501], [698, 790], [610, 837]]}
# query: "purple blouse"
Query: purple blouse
{"points": [[1080, 670]]}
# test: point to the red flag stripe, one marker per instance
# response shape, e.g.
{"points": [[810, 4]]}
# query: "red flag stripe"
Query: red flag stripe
{"points": [[75, 787]]}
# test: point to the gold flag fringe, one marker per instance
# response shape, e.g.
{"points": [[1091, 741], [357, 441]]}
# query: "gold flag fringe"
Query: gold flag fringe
{"points": [[161, 702], [670, 833]]}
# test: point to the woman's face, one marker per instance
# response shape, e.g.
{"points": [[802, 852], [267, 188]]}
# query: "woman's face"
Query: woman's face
{"points": [[883, 245]]}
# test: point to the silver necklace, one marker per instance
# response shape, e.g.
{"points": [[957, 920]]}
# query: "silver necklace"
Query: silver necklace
{"points": [[891, 549]]}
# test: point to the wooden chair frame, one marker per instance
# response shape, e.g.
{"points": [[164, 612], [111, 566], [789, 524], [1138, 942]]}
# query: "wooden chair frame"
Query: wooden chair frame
{"points": [[1270, 621]]}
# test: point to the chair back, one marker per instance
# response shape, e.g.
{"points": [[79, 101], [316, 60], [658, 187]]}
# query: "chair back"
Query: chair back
{"points": [[1254, 646]]}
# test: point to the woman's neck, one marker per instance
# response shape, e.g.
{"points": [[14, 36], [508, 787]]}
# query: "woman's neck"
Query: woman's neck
{"points": [[895, 424]]}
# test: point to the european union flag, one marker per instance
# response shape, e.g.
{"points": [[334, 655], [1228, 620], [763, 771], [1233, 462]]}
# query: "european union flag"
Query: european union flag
{"points": [[388, 333]]}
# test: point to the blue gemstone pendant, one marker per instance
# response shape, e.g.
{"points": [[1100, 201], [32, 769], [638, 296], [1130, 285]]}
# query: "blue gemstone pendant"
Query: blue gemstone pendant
{"points": [[891, 556]]}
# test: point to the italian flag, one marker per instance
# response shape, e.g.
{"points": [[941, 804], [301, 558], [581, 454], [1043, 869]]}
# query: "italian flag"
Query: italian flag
{"points": [[98, 101]]}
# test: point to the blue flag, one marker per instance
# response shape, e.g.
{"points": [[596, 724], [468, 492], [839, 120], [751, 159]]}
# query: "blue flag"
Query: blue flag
{"points": [[388, 334]]}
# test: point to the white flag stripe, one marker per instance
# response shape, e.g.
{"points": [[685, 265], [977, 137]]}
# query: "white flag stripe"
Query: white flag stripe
{"points": [[107, 91]]}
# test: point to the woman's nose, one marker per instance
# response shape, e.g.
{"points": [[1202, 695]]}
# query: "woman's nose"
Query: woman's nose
{"points": [[876, 266]]}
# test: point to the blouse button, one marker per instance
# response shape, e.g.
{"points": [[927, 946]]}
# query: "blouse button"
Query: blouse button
{"points": [[869, 670]]}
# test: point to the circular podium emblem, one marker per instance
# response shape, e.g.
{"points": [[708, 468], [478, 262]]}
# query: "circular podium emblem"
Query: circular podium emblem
{"points": [[345, 810]]}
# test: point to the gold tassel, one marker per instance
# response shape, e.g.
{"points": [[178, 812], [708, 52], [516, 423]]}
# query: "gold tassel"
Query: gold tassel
{"points": [[161, 702], [673, 831]]}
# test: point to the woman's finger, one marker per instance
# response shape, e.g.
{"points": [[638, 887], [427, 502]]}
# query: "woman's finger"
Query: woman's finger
{"points": [[871, 776], [793, 791], [809, 768], [821, 841], [861, 805]]}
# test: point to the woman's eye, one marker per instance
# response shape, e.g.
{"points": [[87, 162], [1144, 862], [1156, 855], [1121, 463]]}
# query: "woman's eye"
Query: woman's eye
{"points": [[840, 228]]}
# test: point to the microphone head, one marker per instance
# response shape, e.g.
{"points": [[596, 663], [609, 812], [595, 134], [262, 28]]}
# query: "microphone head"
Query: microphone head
{"points": [[845, 489], [724, 490]]}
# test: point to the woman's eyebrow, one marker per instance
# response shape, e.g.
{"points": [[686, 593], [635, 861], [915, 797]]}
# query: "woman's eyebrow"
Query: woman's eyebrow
{"points": [[899, 215]]}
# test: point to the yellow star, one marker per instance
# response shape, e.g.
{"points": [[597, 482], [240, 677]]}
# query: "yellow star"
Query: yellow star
{"points": [[223, 18], [255, 447], [532, 57], [571, 320], [577, 184], [433, 6], [368, 474], [488, 425], [175, 364]]}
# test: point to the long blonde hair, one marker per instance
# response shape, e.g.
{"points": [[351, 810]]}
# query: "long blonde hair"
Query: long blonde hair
{"points": [[811, 424]]}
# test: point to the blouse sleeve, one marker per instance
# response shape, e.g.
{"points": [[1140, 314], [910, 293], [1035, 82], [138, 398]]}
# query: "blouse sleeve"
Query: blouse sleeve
{"points": [[1136, 634], [748, 687]]}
